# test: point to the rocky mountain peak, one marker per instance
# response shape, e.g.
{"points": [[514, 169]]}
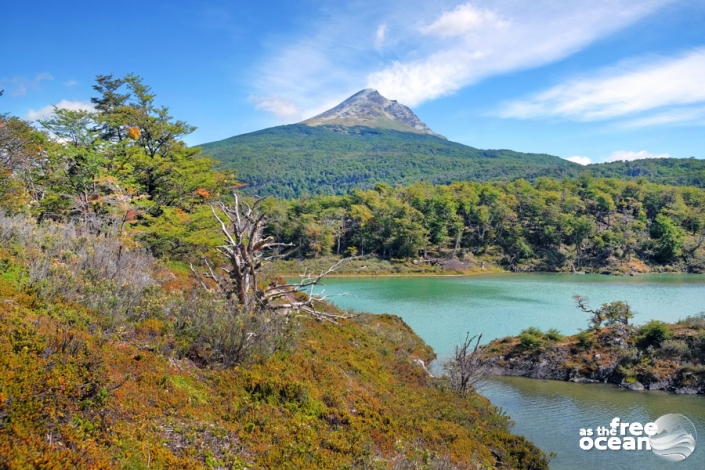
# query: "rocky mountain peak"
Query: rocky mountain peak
{"points": [[370, 109]]}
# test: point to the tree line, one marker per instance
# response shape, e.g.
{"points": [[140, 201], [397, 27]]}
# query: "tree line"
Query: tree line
{"points": [[570, 224]]}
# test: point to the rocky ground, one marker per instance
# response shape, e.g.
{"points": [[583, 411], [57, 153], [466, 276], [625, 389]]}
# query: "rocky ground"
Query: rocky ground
{"points": [[655, 356]]}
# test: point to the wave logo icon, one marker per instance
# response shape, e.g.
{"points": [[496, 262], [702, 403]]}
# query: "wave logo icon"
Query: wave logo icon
{"points": [[675, 439]]}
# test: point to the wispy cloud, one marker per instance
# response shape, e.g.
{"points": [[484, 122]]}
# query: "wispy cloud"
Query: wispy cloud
{"points": [[70, 83], [474, 43], [624, 90], [19, 86], [323, 63], [462, 20], [437, 49], [380, 35], [627, 156], [280, 107], [48, 111], [686, 115]]}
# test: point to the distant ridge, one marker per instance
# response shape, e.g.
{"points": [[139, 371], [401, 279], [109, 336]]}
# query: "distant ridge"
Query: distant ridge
{"points": [[370, 109]]}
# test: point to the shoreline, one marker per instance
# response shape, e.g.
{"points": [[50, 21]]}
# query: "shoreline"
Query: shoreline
{"points": [[482, 273], [653, 356], [375, 267], [634, 386]]}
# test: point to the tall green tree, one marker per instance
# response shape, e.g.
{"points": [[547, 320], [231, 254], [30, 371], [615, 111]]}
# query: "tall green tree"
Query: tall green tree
{"points": [[668, 238]]}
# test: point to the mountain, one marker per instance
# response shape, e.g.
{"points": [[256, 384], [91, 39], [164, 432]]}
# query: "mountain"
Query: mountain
{"points": [[289, 161], [365, 140], [368, 139], [370, 109]]}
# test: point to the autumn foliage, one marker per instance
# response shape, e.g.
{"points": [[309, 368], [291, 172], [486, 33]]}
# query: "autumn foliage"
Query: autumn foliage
{"points": [[128, 383]]}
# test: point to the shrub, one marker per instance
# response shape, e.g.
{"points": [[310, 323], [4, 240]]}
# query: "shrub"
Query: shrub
{"points": [[675, 347], [630, 375], [91, 265], [534, 338], [696, 322], [629, 356], [586, 339], [213, 331], [554, 335], [531, 338], [653, 333]]}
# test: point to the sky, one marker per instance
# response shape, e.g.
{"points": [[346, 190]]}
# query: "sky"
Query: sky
{"points": [[586, 80]]}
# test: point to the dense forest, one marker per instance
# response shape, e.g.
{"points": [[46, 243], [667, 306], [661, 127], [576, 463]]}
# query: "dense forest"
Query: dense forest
{"points": [[295, 160], [585, 223]]}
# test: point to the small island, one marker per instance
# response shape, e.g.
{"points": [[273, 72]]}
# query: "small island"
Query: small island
{"points": [[653, 356]]}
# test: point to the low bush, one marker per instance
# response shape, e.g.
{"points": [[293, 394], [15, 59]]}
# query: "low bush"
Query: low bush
{"points": [[214, 331], [534, 338], [696, 322], [653, 334], [554, 335], [586, 339], [674, 347], [531, 339]]}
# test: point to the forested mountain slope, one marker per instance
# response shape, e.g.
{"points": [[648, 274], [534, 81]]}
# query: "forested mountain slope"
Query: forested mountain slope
{"points": [[289, 161]]}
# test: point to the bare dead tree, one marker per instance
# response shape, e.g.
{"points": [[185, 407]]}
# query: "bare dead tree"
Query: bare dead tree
{"points": [[608, 314], [244, 252], [466, 368], [598, 316]]}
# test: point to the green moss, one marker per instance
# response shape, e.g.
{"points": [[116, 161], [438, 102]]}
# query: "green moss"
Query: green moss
{"points": [[195, 393]]}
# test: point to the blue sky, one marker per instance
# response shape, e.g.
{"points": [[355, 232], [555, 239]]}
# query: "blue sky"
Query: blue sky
{"points": [[593, 80]]}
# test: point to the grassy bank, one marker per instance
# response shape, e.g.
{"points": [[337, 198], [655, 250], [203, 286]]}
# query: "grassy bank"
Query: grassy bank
{"points": [[106, 361]]}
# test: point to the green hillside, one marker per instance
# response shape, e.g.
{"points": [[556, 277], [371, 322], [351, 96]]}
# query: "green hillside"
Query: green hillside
{"points": [[289, 161], [672, 171]]}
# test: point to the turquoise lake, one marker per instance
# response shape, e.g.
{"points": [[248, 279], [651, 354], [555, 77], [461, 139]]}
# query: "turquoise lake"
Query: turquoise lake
{"points": [[550, 413]]}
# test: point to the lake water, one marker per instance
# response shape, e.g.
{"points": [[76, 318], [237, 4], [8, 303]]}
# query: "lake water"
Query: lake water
{"points": [[550, 413]]}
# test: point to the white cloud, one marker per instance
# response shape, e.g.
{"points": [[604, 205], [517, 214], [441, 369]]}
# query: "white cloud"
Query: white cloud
{"points": [[70, 83], [21, 85], [438, 47], [623, 90], [628, 156], [48, 111], [325, 63], [462, 19], [580, 160], [481, 43], [380, 35], [280, 107], [689, 115]]}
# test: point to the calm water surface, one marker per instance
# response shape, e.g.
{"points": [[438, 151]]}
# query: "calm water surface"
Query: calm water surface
{"points": [[550, 413]]}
